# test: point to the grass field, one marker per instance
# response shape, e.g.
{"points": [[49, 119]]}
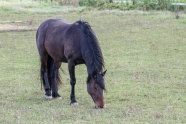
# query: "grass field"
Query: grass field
{"points": [[145, 55]]}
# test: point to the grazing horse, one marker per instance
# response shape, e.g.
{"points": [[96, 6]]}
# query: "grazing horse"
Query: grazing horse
{"points": [[59, 41]]}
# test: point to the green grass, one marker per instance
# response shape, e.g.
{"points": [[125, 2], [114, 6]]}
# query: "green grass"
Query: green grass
{"points": [[144, 54]]}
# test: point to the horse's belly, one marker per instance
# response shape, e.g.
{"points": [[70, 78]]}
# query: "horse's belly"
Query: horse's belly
{"points": [[63, 59], [79, 61]]}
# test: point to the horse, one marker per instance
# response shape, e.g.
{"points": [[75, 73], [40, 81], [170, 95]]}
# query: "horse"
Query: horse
{"points": [[75, 43]]}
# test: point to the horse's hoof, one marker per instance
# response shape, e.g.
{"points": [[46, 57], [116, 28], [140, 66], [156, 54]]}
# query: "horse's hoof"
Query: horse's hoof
{"points": [[74, 104], [48, 97]]}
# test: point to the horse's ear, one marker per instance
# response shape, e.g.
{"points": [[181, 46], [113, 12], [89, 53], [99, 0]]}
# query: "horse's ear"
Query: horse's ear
{"points": [[104, 73]]}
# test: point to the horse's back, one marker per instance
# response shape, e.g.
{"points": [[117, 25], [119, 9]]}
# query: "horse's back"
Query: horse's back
{"points": [[42, 29]]}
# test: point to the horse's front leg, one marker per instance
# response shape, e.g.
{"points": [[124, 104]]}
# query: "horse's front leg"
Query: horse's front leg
{"points": [[71, 68]]}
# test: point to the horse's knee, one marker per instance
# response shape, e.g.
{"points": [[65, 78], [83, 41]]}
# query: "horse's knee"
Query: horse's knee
{"points": [[72, 81]]}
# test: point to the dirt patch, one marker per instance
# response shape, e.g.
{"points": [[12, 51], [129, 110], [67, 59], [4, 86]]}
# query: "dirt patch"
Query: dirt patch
{"points": [[10, 27]]}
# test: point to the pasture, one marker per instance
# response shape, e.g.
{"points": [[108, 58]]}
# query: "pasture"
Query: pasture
{"points": [[144, 52]]}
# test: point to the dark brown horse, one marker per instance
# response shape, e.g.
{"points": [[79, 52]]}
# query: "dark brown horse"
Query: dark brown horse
{"points": [[59, 41]]}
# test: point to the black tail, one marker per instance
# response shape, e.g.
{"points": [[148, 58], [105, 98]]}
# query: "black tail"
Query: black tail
{"points": [[58, 78], [50, 62], [42, 76]]}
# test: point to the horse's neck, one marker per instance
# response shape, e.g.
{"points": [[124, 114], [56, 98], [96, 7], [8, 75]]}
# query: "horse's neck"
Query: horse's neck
{"points": [[89, 69], [89, 64], [87, 56]]}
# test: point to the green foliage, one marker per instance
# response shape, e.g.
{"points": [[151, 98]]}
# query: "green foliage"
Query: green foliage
{"points": [[109, 5], [132, 5], [161, 6], [87, 3]]}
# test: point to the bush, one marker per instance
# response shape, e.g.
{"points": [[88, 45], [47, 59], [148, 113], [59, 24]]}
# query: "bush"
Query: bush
{"points": [[161, 5], [107, 5], [145, 5], [90, 2]]}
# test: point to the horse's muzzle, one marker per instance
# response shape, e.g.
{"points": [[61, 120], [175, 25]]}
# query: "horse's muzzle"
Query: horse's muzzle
{"points": [[99, 105]]}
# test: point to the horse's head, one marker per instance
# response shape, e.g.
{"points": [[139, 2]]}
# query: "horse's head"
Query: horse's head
{"points": [[95, 87]]}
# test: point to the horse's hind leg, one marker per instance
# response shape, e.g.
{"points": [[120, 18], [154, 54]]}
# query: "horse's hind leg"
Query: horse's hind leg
{"points": [[54, 78], [45, 77]]}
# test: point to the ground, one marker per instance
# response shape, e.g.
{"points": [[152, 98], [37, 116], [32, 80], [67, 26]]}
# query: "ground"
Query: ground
{"points": [[144, 56], [7, 27]]}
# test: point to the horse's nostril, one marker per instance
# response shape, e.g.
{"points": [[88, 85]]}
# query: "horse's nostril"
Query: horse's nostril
{"points": [[100, 106]]}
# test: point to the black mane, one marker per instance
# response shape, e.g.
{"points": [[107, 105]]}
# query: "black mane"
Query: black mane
{"points": [[98, 61]]}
